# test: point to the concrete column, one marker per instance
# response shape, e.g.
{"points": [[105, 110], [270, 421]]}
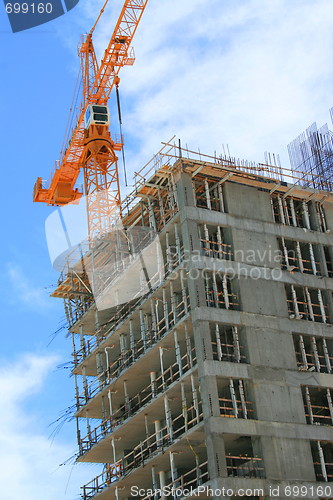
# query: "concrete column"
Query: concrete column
{"points": [[110, 403], [168, 417], [146, 426], [143, 329], [74, 349], [173, 467], [131, 334], [127, 399], [184, 292], [88, 424], [178, 243], [97, 323], [152, 219], [154, 479], [123, 344], [306, 216], [161, 475], [113, 444], [104, 413], [178, 353], [173, 304], [85, 383], [152, 382], [162, 365], [157, 424], [184, 405], [188, 345], [107, 361], [76, 391], [185, 191], [217, 464], [195, 399], [99, 363], [153, 317], [168, 253], [165, 309], [78, 432], [82, 341], [203, 341]]}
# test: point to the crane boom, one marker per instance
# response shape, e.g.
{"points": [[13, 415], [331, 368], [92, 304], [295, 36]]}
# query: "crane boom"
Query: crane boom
{"points": [[93, 150]]}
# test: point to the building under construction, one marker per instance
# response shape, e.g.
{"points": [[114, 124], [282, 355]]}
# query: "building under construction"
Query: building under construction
{"points": [[215, 376], [200, 308]]}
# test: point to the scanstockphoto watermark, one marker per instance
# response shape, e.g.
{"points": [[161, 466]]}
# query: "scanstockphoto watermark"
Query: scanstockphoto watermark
{"points": [[174, 492], [287, 491], [25, 15]]}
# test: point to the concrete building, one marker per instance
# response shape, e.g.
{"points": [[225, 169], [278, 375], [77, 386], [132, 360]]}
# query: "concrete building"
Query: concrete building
{"points": [[217, 371]]}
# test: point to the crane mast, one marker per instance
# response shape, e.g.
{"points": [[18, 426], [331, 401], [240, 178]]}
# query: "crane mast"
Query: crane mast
{"points": [[91, 148]]}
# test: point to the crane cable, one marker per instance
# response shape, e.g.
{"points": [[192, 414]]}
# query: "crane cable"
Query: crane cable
{"points": [[121, 131]]}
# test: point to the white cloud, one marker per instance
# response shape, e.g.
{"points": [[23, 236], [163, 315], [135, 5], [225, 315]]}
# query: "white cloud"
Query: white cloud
{"points": [[251, 75], [29, 462], [25, 291]]}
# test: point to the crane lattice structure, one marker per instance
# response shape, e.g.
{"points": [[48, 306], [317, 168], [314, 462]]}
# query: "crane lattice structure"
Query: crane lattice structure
{"points": [[91, 148]]}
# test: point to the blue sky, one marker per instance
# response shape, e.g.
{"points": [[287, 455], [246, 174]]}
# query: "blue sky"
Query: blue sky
{"points": [[251, 74]]}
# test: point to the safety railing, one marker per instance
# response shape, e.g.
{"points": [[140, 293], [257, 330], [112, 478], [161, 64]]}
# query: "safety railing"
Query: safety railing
{"points": [[222, 300], [295, 264], [236, 408], [304, 312], [134, 404], [245, 466], [120, 316], [303, 305], [215, 249], [319, 415], [130, 356], [312, 365], [227, 351], [190, 480], [325, 475], [318, 405], [314, 354], [152, 445]]}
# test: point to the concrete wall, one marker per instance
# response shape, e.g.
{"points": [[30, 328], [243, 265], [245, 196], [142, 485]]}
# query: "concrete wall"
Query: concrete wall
{"points": [[247, 201], [276, 397]]}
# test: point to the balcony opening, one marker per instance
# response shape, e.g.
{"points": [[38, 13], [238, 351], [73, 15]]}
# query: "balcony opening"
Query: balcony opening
{"points": [[322, 453], [233, 399], [213, 242], [242, 458], [228, 343], [300, 257], [208, 194], [220, 291], [294, 212], [314, 353], [307, 304], [328, 260], [318, 405]]}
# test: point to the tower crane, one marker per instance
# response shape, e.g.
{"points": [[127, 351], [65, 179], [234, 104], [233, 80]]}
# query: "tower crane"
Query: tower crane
{"points": [[91, 147]]}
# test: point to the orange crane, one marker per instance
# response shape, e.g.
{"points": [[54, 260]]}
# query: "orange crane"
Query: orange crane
{"points": [[91, 147]]}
